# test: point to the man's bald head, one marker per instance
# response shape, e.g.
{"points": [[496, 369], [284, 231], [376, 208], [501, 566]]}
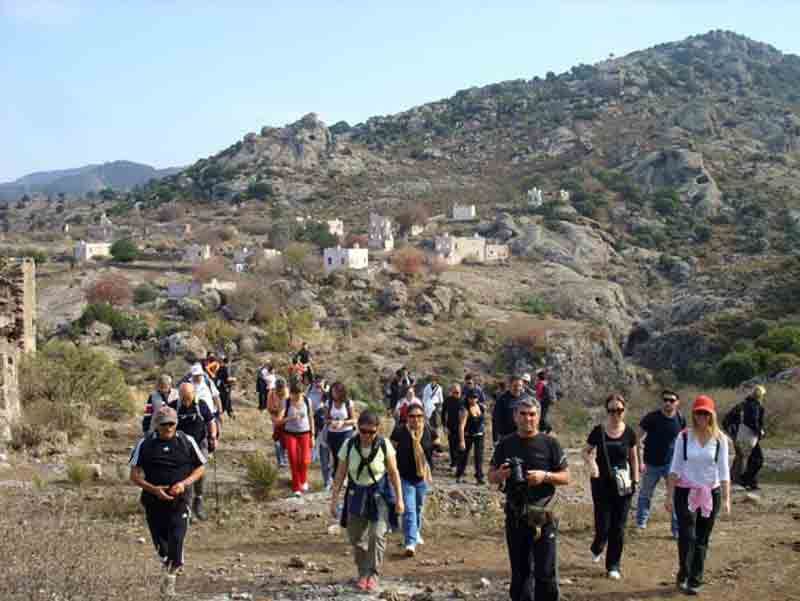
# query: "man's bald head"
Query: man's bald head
{"points": [[186, 392]]}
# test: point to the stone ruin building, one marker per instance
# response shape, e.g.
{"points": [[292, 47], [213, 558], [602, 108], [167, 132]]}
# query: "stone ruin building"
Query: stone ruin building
{"points": [[381, 236], [17, 333]]}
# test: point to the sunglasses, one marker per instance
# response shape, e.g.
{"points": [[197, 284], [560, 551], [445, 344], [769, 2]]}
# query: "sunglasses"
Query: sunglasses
{"points": [[702, 413], [669, 399], [615, 411], [415, 416], [367, 432]]}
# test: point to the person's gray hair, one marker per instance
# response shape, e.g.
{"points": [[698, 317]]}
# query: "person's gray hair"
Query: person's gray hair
{"points": [[165, 380], [530, 402]]}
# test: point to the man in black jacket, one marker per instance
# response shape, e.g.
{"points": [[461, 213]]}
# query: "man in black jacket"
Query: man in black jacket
{"points": [[745, 425], [164, 465], [503, 412]]}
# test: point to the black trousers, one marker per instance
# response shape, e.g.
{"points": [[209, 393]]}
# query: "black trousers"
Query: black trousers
{"points": [[261, 388], [610, 517], [694, 533], [534, 561], [225, 399], [168, 528], [471, 442], [452, 445], [544, 425]]}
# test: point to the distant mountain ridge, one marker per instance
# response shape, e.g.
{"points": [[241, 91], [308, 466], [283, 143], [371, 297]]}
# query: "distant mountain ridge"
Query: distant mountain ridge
{"points": [[118, 175]]}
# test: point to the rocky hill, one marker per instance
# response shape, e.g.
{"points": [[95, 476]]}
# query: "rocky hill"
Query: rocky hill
{"points": [[649, 201], [117, 175]]}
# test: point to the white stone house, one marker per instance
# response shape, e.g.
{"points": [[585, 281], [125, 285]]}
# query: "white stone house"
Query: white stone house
{"points": [[464, 213], [335, 227], [381, 236], [454, 250], [86, 251], [563, 195], [416, 230], [196, 253], [345, 258], [535, 197]]}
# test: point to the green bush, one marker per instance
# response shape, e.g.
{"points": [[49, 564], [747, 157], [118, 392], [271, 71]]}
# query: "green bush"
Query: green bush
{"points": [[536, 306], [124, 251], [781, 362], [63, 374], [144, 293], [781, 340], [125, 326], [737, 367], [78, 473], [220, 333], [261, 473]]}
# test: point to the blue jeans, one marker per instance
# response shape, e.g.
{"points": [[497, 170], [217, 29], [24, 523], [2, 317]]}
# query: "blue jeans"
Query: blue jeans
{"points": [[413, 498], [325, 464], [280, 454], [650, 478]]}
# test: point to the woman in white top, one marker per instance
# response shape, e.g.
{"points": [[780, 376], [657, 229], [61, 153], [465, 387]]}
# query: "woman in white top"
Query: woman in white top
{"points": [[340, 420], [298, 433], [699, 483], [401, 411]]}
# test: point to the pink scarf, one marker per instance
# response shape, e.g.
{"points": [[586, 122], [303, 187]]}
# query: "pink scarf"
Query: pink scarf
{"points": [[699, 497]]}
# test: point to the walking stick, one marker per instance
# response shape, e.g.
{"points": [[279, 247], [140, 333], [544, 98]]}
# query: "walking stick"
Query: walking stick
{"points": [[216, 486]]}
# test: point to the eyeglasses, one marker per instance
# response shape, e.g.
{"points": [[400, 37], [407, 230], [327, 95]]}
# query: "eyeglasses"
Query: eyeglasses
{"points": [[367, 432], [619, 411]]}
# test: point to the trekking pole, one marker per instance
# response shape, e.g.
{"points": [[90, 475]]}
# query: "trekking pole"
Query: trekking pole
{"points": [[216, 486]]}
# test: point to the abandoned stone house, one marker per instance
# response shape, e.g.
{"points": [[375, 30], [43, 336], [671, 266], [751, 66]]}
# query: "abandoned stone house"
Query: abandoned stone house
{"points": [[345, 258], [86, 251], [176, 290], [381, 236], [243, 256], [464, 213], [17, 333], [196, 253], [454, 250], [102, 231], [535, 197]]}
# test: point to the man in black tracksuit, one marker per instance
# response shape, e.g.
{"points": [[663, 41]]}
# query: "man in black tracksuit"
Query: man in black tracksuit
{"points": [[531, 525], [165, 464], [503, 412], [451, 410], [195, 420]]}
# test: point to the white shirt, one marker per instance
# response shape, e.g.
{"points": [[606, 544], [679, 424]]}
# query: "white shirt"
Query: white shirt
{"points": [[270, 381], [431, 399], [699, 467]]}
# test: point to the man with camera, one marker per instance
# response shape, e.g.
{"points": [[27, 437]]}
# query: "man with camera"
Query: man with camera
{"points": [[529, 465]]}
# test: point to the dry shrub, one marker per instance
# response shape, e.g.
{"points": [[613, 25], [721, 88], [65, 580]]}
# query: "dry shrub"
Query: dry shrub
{"points": [[409, 261], [295, 254], [243, 301], [228, 233], [416, 214], [210, 269], [436, 264], [113, 289], [171, 212], [256, 228], [261, 472], [63, 555], [361, 239], [262, 266], [78, 472], [219, 332]]}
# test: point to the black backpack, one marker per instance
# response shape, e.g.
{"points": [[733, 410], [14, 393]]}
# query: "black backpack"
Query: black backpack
{"points": [[733, 419], [379, 445]]}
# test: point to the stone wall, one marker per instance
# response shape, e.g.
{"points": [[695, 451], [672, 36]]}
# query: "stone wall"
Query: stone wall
{"points": [[17, 333]]}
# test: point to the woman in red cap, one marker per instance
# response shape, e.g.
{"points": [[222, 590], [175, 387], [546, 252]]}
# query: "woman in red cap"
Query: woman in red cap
{"points": [[699, 483]]}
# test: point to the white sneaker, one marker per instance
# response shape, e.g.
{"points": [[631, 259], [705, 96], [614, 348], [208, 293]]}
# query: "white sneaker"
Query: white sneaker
{"points": [[297, 493], [305, 487], [419, 540], [168, 585], [597, 558], [614, 575], [410, 551]]}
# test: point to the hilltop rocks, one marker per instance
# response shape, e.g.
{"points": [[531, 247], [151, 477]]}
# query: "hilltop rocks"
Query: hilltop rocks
{"points": [[579, 247], [184, 344], [681, 170], [574, 296]]}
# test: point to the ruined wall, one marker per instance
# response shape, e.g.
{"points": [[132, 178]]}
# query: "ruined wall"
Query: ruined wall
{"points": [[17, 333]]}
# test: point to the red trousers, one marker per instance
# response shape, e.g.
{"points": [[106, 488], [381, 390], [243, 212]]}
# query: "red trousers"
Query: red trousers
{"points": [[298, 448]]}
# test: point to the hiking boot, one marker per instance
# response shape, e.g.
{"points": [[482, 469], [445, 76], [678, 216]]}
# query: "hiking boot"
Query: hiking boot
{"points": [[198, 510], [167, 588]]}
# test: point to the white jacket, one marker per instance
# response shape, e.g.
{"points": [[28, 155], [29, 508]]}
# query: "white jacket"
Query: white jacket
{"points": [[432, 399]]}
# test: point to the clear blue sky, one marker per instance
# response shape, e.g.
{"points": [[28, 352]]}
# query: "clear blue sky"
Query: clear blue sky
{"points": [[168, 82]]}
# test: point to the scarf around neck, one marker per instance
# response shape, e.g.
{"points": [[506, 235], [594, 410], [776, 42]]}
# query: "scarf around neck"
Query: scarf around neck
{"points": [[423, 469]]}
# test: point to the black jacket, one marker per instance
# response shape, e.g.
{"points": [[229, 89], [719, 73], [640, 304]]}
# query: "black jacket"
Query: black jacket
{"points": [[503, 415]]}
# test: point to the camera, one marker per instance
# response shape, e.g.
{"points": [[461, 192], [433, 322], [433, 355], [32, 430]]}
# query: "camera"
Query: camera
{"points": [[518, 476]]}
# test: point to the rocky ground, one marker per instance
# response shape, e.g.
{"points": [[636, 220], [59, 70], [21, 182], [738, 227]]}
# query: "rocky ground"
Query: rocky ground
{"points": [[283, 548]]}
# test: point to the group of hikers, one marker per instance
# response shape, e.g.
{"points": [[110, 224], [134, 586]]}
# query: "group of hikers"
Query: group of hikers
{"points": [[379, 483]]}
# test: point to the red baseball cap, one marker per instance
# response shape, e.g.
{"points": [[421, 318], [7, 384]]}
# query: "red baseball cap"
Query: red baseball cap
{"points": [[704, 403]]}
